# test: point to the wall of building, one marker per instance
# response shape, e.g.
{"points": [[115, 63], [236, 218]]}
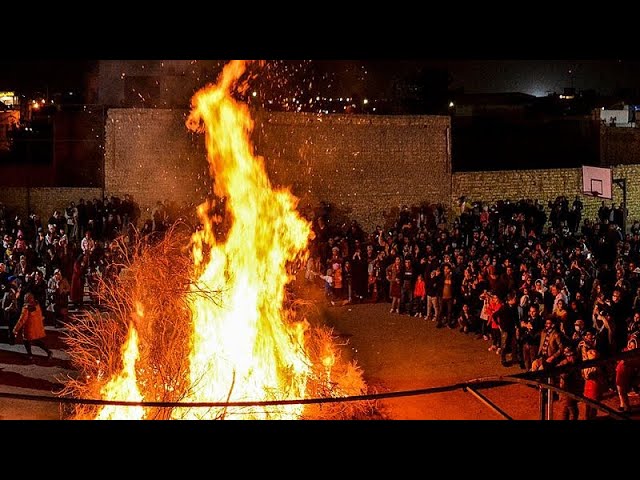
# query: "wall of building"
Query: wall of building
{"points": [[20, 176], [150, 155], [44, 200], [617, 117], [545, 185], [8, 119], [364, 165], [151, 83]]}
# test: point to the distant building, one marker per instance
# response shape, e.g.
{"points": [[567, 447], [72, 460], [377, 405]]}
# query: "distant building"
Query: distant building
{"points": [[516, 130], [568, 94], [8, 100], [149, 83], [9, 120], [617, 117], [619, 140]]}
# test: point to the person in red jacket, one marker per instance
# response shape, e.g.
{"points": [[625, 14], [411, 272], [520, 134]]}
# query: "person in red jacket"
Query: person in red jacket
{"points": [[31, 323], [594, 384], [419, 293], [628, 370], [495, 303]]}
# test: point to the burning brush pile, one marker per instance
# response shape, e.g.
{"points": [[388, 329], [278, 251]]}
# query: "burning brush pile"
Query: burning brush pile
{"points": [[194, 318]]}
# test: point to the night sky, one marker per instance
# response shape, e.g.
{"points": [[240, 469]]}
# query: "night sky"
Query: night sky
{"points": [[538, 77], [56, 75], [535, 77], [371, 77]]}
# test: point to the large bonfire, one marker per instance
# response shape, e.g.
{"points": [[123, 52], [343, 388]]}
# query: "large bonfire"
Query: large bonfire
{"points": [[214, 323]]}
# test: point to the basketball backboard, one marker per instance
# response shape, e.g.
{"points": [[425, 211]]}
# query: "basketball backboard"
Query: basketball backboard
{"points": [[597, 182]]}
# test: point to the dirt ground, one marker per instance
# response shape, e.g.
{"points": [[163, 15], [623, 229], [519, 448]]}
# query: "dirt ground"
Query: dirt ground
{"points": [[401, 353], [19, 376], [398, 353]]}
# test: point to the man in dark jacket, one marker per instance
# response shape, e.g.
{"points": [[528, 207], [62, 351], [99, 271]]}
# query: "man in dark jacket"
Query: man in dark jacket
{"points": [[507, 319], [572, 382], [433, 288]]}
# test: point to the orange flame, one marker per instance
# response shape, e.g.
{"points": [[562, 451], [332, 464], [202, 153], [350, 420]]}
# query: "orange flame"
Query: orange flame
{"points": [[124, 386], [243, 349], [244, 345]]}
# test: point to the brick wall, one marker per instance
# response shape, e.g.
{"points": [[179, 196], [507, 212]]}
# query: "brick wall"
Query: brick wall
{"points": [[365, 165], [44, 200], [632, 174], [545, 185], [150, 154]]}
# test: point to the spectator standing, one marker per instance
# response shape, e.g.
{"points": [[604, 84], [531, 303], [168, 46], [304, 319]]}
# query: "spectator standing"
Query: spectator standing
{"points": [[31, 324], [573, 383], [448, 295], [419, 295], [529, 336], [507, 319], [78, 280], [433, 289], [406, 290], [394, 277], [594, 384], [9, 304]]}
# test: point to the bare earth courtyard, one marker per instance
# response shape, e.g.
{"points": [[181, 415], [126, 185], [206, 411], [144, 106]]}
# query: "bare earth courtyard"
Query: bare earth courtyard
{"points": [[396, 353]]}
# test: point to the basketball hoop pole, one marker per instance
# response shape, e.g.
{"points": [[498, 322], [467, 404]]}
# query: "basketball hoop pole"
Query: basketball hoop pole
{"points": [[622, 183]]}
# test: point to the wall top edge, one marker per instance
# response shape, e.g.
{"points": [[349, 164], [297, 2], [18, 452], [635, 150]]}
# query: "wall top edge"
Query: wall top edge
{"points": [[306, 118]]}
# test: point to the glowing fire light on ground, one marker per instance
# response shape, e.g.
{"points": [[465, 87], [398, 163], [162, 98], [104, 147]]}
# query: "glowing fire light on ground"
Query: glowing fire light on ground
{"points": [[124, 385]]}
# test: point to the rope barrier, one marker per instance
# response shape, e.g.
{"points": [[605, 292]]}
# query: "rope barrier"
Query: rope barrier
{"points": [[535, 379]]}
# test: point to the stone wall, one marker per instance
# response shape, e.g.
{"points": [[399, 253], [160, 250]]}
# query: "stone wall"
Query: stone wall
{"points": [[545, 185], [44, 200], [364, 165], [150, 155]]}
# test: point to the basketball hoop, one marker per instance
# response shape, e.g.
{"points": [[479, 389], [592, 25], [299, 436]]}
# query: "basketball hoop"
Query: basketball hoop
{"points": [[597, 182]]}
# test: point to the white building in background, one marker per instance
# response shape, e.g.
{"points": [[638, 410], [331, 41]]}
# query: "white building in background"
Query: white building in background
{"points": [[9, 100], [624, 117]]}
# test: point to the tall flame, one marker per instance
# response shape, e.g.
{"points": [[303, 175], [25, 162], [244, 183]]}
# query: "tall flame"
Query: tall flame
{"points": [[244, 345], [124, 386], [243, 348]]}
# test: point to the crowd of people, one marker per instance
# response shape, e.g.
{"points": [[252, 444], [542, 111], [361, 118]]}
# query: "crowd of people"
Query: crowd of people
{"points": [[543, 289], [46, 267]]}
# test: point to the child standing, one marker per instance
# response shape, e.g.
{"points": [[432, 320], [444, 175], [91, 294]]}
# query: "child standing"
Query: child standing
{"points": [[328, 284], [418, 297]]}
